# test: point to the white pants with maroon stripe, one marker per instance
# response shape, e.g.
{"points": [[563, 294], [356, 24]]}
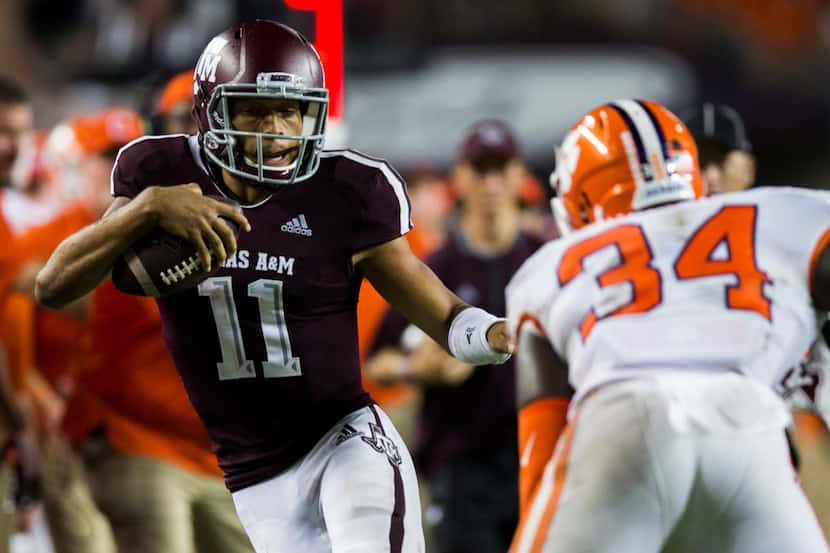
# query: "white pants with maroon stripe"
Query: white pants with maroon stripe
{"points": [[355, 492], [686, 463]]}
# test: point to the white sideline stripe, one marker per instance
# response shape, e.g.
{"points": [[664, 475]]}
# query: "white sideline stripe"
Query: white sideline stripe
{"points": [[127, 145], [394, 181], [647, 132], [141, 274]]}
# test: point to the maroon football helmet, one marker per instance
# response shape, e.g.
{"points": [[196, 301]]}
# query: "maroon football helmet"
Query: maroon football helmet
{"points": [[260, 59]]}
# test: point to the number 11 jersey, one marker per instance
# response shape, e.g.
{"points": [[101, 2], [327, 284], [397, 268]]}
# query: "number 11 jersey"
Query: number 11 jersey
{"points": [[717, 284], [267, 346]]}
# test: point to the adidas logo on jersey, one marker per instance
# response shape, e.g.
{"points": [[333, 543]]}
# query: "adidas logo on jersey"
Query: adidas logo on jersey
{"points": [[297, 225], [348, 431]]}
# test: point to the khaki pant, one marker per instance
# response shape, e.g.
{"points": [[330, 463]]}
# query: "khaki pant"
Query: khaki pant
{"points": [[8, 513], [157, 507], [75, 522]]}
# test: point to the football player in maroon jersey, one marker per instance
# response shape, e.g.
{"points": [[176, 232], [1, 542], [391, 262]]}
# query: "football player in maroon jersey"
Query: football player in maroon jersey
{"points": [[267, 345]]}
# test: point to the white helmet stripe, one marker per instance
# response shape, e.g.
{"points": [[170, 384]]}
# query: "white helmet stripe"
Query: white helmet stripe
{"points": [[644, 126]]}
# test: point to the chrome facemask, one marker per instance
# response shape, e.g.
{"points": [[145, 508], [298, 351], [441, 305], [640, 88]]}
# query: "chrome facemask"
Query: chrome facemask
{"points": [[220, 141]]}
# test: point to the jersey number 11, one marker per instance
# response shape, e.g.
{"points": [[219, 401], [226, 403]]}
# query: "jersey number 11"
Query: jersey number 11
{"points": [[280, 363]]}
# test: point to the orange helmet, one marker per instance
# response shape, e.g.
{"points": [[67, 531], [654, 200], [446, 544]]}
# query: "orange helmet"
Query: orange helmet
{"points": [[624, 156]]}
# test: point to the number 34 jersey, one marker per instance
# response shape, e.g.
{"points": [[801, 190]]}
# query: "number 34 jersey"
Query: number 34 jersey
{"points": [[718, 284], [267, 346]]}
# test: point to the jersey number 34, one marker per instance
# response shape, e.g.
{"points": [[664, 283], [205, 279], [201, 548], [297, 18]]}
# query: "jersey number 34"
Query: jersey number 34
{"points": [[733, 226]]}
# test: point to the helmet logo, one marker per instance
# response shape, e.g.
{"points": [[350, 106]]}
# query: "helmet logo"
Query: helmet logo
{"points": [[209, 61]]}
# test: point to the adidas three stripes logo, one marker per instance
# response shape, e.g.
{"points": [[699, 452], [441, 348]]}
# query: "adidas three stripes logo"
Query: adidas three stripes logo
{"points": [[297, 225]]}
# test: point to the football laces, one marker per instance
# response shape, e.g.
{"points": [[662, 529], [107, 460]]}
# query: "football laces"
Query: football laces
{"points": [[181, 271]]}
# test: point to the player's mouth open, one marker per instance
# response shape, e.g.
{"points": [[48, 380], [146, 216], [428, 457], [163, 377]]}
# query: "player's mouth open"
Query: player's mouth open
{"points": [[277, 160]]}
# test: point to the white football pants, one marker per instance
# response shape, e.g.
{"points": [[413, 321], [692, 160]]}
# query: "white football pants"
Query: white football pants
{"points": [[355, 492], [685, 463]]}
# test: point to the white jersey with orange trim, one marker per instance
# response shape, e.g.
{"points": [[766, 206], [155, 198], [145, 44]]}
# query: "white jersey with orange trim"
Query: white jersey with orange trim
{"points": [[720, 284]]}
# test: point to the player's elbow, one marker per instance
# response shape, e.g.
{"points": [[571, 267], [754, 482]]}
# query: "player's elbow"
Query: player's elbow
{"points": [[47, 291]]}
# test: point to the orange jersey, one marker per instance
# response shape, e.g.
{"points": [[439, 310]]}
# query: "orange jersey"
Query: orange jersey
{"points": [[125, 378], [40, 343], [17, 311], [131, 375], [42, 338], [58, 338]]}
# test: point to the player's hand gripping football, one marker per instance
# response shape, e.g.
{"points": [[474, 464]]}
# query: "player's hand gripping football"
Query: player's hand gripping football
{"points": [[185, 212], [499, 339]]}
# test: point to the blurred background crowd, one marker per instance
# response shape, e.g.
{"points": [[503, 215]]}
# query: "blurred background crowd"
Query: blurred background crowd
{"points": [[418, 75]]}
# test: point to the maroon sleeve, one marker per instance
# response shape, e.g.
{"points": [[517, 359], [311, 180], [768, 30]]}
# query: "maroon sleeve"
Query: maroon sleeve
{"points": [[383, 210], [152, 161], [122, 179]]}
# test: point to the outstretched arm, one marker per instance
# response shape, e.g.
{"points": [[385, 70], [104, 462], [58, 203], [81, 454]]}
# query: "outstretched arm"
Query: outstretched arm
{"points": [[413, 289], [85, 259]]}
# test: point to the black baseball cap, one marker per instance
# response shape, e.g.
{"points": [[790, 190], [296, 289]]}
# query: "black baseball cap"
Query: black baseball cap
{"points": [[720, 124]]}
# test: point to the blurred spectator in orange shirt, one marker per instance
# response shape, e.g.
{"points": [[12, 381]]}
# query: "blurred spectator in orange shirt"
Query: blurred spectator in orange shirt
{"points": [[146, 455], [19, 210], [173, 111]]}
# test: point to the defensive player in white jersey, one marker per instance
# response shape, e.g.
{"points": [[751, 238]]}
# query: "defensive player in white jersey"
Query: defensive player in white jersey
{"points": [[667, 321]]}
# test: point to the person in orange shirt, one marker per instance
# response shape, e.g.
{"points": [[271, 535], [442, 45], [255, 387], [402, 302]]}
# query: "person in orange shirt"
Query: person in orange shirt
{"points": [[173, 110], [18, 211], [146, 456]]}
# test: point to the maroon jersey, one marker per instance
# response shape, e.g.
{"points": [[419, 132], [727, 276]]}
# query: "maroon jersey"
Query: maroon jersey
{"points": [[267, 346]]}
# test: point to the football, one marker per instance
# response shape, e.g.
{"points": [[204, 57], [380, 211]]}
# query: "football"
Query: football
{"points": [[159, 264]]}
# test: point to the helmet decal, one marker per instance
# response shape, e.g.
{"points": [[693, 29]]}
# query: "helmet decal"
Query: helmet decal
{"points": [[210, 59], [647, 137]]}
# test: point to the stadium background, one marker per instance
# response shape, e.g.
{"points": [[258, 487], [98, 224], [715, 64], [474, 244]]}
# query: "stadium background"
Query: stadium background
{"points": [[417, 72]]}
